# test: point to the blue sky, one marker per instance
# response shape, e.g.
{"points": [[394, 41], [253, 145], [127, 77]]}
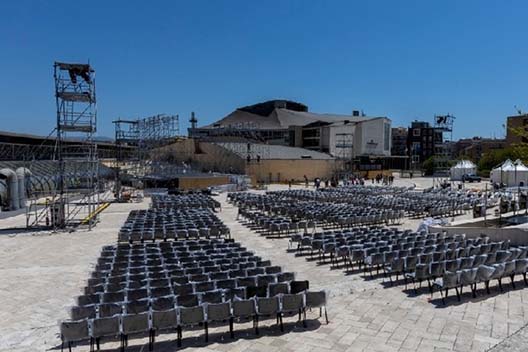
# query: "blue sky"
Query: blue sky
{"points": [[402, 59]]}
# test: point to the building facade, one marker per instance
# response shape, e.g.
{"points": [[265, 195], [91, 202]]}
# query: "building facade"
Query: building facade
{"points": [[421, 141], [516, 122]]}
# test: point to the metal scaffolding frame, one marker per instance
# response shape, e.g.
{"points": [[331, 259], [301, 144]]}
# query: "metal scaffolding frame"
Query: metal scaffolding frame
{"points": [[443, 144], [75, 198], [135, 139]]}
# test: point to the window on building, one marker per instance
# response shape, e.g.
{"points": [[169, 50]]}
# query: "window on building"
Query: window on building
{"points": [[416, 132]]}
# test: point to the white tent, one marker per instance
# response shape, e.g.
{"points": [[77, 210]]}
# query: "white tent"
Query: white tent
{"points": [[463, 167], [510, 173]]}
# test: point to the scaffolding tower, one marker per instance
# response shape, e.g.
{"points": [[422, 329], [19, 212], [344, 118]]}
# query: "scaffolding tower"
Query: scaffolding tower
{"points": [[442, 144], [74, 199], [127, 155], [135, 139], [344, 147]]}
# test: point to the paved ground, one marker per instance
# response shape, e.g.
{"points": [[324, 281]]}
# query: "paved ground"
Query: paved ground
{"points": [[42, 274]]}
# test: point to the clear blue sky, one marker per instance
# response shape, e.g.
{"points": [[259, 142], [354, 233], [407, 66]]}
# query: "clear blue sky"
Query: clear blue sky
{"points": [[402, 59]]}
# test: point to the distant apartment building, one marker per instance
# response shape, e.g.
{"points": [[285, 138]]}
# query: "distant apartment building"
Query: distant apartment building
{"points": [[421, 141], [399, 141], [513, 122], [474, 148]]}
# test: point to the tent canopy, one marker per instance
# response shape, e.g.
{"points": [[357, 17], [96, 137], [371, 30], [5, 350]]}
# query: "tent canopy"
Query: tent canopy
{"points": [[463, 167], [510, 173]]}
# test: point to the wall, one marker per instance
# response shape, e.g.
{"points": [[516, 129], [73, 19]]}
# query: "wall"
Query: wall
{"points": [[348, 129], [201, 182], [283, 170], [372, 130], [206, 156]]}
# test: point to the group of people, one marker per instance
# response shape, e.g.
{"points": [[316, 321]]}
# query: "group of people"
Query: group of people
{"points": [[383, 179]]}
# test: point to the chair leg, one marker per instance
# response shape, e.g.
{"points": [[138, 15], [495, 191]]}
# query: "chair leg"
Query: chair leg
{"points": [[304, 318], [256, 325], [326, 315], [487, 287], [231, 331], [151, 340], [62, 346], [512, 281], [280, 320], [206, 328], [69, 346], [500, 284], [179, 329]]}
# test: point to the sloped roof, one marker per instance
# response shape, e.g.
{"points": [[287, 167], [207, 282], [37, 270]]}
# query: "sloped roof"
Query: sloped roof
{"points": [[279, 118], [272, 152]]}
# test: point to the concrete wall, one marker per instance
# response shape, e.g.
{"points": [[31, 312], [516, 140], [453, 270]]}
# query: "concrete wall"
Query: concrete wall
{"points": [[206, 156], [283, 170], [372, 131], [517, 236], [349, 129], [201, 182]]}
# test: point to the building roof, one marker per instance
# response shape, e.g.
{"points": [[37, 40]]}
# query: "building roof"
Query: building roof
{"points": [[280, 115], [273, 152]]}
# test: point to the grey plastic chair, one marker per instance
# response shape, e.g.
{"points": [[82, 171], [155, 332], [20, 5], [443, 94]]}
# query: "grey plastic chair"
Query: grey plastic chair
{"points": [[73, 331], [469, 277], [292, 303], [135, 323], [521, 266], [190, 316], [317, 299], [509, 271], [484, 274], [498, 273], [219, 313], [245, 309], [449, 280], [102, 327], [267, 307]]}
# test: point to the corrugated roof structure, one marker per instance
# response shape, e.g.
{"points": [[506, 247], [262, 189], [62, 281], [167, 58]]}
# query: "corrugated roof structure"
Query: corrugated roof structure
{"points": [[273, 152], [279, 115]]}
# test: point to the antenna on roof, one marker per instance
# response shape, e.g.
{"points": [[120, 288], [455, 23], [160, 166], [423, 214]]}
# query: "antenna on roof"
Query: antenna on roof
{"points": [[519, 111]]}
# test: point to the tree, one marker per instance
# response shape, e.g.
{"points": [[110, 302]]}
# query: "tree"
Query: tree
{"points": [[521, 149], [494, 158]]}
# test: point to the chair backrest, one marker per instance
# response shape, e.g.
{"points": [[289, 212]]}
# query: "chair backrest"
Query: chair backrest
{"points": [[83, 312], [277, 288], [299, 286], [138, 306], [268, 306], [165, 319], [450, 279], [292, 302], [187, 300], [212, 297], [72, 331], [244, 307], [163, 303], [191, 315], [109, 309], [108, 326], [218, 312], [315, 299]]}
